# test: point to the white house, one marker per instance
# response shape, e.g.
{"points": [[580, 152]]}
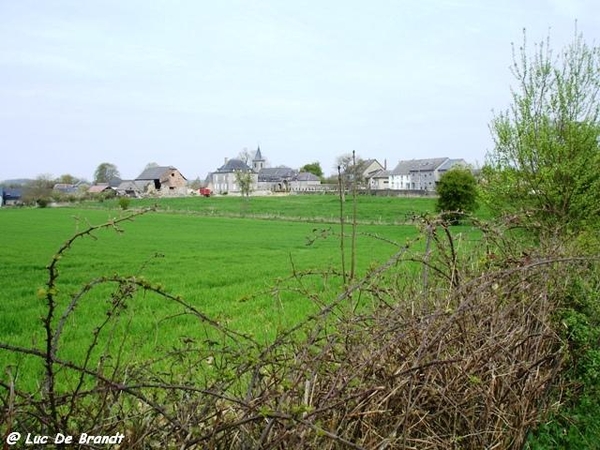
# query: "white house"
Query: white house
{"points": [[224, 180], [421, 174], [379, 180], [371, 167]]}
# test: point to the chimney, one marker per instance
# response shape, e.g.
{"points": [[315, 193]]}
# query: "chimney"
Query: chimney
{"points": [[225, 160], [385, 164]]}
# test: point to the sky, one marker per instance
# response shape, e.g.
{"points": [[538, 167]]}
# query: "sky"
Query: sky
{"points": [[188, 83]]}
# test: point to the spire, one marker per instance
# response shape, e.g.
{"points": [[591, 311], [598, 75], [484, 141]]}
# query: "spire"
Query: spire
{"points": [[258, 155], [258, 162]]}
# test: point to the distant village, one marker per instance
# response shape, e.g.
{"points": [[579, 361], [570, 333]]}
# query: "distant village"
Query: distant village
{"points": [[418, 176]]}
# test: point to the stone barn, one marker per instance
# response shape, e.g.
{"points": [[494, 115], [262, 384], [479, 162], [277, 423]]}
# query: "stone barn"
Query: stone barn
{"points": [[163, 180]]}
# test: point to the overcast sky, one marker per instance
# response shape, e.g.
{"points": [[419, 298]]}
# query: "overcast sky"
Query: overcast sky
{"points": [[190, 82]]}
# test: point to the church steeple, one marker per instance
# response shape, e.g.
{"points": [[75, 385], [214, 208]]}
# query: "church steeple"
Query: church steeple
{"points": [[258, 162]]}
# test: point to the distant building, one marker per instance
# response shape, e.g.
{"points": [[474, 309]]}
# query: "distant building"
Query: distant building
{"points": [[101, 188], [304, 182], [286, 179], [161, 180], [258, 162], [71, 189], [11, 196], [370, 167], [224, 180], [379, 180], [264, 179], [421, 174], [451, 163], [276, 179], [133, 188]]}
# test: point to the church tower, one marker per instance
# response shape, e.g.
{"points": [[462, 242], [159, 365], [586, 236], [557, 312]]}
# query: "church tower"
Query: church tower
{"points": [[258, 162]]}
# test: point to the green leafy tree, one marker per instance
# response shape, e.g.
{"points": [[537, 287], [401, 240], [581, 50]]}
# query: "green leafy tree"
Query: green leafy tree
{"points": [[67, 179], [457, 193], [314, 168], [244, 181], [544, 166], [106, 172]]}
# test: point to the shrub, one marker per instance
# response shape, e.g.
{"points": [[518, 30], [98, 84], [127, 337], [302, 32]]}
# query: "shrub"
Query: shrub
{"points": [[42, 202], [546, 151], [124, 203], [457, 190]]}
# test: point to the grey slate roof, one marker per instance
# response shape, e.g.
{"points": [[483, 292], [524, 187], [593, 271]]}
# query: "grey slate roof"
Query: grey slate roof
{"points": [[307, 176], [276, 173], [418, 165], [114, 182], [449, 163], [366, 164], [133, 185], [65, 188], [403, 168], [154, 173], [233, 165], [381, 174]]}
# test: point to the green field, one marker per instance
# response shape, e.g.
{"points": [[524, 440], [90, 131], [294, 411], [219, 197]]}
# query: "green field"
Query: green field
{"points": [[230, 258], [313, 208], [234, 269]]}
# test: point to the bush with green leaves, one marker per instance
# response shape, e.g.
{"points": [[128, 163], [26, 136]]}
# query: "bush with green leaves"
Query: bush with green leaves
{"points": [[546, 155], [457, 190], [124, 202]]}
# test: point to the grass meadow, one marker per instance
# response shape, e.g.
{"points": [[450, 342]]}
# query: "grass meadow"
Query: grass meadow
{"points": [[251, 265], [312, 208], [228, 257]]}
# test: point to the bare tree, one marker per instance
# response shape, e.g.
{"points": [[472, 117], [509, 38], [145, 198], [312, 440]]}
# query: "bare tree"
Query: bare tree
{"points": [[67, 179], [39, 190], [245, 156], [351, 167]]}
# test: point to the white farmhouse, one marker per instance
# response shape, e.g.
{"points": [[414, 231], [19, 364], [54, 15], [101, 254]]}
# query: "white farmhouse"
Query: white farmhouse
{"points": [[421, 174]]}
